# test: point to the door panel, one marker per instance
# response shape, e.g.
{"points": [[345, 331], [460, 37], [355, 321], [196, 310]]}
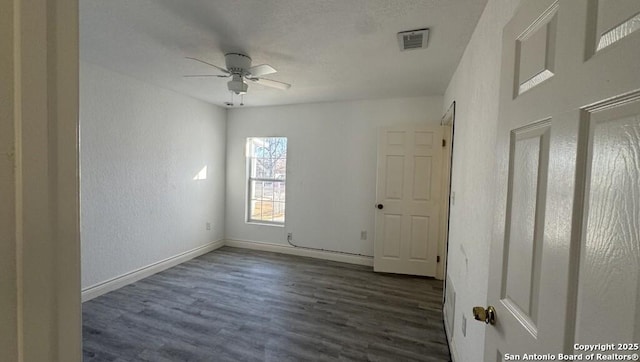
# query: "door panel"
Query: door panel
{"points": [[392, 235], [608, 309], [394, 177], [395, 138], [525, 218], [409, 167], [422, 178], [419, 233], [611, 21], [535, 51], [424, 139]]}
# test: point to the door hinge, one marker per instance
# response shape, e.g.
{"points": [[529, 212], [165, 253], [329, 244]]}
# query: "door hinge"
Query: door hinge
{"points": [[438, 259], [444, 142]]}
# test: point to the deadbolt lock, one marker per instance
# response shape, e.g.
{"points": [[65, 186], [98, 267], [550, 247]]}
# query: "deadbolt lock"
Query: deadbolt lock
{"points": [[485, 315]]}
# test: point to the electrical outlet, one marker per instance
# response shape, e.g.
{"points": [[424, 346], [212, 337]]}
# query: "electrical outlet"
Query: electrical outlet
{"points": [[289, 237], [464, 325], [208, 226], [363, 235]]}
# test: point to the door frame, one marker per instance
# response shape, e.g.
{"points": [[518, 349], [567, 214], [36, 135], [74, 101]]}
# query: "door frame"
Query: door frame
{"points": [[448, 121], [40, 292]]}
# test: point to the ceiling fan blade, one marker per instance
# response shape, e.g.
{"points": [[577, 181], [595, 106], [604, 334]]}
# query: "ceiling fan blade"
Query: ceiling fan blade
{"points": [[260, 70], [207, 63], [206, 75], [271, 83]]}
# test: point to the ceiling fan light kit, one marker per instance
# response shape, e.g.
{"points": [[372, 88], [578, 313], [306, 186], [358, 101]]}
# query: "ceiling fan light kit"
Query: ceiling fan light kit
{"points": [[237, 85], [238, 67]]}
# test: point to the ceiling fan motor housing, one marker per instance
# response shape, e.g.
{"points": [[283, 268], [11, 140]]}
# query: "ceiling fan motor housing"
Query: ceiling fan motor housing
{"points": [[237, 63]]}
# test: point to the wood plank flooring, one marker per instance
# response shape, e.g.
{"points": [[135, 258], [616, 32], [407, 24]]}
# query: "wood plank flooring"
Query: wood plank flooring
{"points": [[245, 305]]}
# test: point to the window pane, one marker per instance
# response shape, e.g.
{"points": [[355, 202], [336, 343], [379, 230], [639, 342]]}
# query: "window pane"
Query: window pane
{"points": [[256, 210], [267, 211], [279, 191], [278, 211], [267, 190], [257, 190], [269, 167]]}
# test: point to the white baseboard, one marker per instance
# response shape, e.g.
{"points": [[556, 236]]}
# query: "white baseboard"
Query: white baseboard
{"points": [[285, 249], [146, 271], [141, 273], [449, 336], [454, 353]]}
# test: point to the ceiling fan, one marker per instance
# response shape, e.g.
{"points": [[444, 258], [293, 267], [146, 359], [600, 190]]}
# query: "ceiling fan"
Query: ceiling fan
{"points": [[239, 69]]}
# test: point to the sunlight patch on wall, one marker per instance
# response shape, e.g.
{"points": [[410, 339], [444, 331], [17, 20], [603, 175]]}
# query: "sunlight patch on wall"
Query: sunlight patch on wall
{"points": [[201, 175]]}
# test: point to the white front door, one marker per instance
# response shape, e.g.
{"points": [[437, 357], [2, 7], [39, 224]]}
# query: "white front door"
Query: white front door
{"points": [[565, 257], [408, 200]]}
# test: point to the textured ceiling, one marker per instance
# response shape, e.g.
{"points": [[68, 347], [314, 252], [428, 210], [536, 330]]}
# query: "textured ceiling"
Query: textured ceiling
{"points": [[327, 49]]}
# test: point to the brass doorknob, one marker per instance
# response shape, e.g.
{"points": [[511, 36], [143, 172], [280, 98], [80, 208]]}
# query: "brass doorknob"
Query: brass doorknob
{"points": [[485, 315]]}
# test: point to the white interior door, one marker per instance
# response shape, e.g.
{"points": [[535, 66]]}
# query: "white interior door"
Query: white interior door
{"points": [[408, 197], [565, 258]]}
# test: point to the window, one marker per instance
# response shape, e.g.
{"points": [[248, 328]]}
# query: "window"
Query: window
{"points": [[267, 173]]}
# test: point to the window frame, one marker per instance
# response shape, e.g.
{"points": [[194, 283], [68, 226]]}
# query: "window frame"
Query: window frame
{"points": [[249, 157]]}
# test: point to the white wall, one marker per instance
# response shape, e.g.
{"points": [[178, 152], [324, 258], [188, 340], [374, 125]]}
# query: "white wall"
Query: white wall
{"points": [[141, 147], [475, 88], [331, 168]]}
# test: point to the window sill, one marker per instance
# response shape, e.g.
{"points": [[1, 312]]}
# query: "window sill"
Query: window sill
{"points": [[258, 223]]}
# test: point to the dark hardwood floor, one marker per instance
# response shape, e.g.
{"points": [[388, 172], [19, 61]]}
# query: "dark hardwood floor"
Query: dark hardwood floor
{"points": [[245, 305]]}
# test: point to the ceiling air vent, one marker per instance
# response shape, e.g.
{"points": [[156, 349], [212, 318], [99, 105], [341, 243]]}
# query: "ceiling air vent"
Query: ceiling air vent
{"points": [[413, 39]]}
